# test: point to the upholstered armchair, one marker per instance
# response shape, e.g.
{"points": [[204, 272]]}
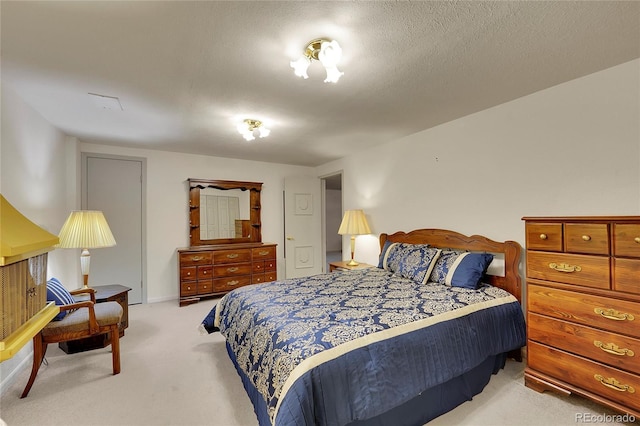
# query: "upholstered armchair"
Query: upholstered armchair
{"points": [[76, 321]]}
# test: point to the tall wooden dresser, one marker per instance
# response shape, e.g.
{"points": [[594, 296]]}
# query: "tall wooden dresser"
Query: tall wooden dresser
{"points": [[583, 308], [214, 270]]}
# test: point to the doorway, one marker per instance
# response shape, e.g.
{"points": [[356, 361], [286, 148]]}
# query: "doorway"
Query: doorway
{"points": [[332, 196]]}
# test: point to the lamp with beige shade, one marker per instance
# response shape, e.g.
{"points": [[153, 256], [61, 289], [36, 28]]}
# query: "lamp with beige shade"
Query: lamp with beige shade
{"points": [[86, 229], [354, 223]]}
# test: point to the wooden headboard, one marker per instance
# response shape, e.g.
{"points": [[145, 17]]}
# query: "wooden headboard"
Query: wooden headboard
{"points": [[442, 238]]}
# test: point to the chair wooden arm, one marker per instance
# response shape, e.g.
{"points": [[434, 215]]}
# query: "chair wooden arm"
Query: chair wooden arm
{"points": [[91, 292], [93, 323]]}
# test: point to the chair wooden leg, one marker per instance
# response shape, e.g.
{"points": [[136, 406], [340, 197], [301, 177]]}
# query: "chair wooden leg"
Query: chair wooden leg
{"points": [[115, 348], [39, 350]]}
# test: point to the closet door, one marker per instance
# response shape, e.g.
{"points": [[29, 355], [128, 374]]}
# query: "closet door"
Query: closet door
{"points": [[114, 185]]}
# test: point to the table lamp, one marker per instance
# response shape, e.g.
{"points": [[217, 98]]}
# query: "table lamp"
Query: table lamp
{"points": [[86, 229], [354, 223]]}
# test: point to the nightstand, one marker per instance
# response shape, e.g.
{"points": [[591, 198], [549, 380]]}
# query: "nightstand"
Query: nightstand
{"points": [[104, 293], [344, 265]]}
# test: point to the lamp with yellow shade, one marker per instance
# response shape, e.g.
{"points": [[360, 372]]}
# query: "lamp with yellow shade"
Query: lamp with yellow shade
{"points": [[354, 223], [86, 229]]}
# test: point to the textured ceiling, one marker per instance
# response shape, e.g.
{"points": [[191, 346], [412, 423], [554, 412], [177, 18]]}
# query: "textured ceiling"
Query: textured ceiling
{"points": [[185, 72]]}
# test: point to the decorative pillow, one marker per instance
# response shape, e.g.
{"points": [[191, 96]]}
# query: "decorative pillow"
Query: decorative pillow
{"points": [[460, 269], [391, 257], [383, 253], [417, 261], [57, 293]]}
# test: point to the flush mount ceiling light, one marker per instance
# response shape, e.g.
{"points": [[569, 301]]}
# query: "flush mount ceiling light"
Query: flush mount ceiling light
{"points": [[325, 51], [249, 126]]}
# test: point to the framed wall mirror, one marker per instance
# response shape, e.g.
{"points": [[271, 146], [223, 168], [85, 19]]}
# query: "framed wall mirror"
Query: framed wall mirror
{"points": [[224, 212]]}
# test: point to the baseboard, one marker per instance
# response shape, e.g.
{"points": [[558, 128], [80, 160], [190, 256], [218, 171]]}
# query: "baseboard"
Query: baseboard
{"points": [[23, 359], [163, 299]]}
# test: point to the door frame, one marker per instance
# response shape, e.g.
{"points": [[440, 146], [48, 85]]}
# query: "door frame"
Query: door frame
{"points": [[323, 178], [84, 196]]}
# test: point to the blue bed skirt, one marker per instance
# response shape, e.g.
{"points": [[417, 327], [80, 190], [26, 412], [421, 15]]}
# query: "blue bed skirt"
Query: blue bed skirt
{"points": [[427, 406]]}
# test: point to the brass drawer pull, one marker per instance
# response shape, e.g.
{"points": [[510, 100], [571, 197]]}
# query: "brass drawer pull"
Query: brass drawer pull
{"points": [[614, 384], [637, 240], [232, 255], [586, 238], [232, 283], [613, 349], [612, 314], [234, 269], [565, 267], [263, 252], [204, 272], [543, 236], [197, 258]]}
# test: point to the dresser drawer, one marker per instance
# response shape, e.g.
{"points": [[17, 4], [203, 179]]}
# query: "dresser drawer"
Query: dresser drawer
{"points": [[228, 284], [195, 258], [590, 271], [544, 236], [232, 256], [263, 278], [626, 240], [610, 348], [626, 275], [587, 238], [232, 270], [204, 272], [267, 265], [614, 315], [188, 288], [264, 253], [611, 383], [188, 273], [205, 286]]}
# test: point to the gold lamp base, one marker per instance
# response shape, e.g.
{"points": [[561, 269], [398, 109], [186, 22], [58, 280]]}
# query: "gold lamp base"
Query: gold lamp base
{"points": [[352, 263]]}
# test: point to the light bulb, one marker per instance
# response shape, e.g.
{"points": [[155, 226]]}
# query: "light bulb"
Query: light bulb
{"points": [[263, 131], [300, 66], [333, 75], [330, 53]]}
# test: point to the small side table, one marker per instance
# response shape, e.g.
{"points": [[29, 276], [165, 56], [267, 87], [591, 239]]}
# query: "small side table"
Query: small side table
{"points": [[343, 264], [104, 293]]}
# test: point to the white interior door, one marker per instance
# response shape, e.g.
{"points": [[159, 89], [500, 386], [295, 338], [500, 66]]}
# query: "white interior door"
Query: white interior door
{"points": [[303, 226], [115, 186]]}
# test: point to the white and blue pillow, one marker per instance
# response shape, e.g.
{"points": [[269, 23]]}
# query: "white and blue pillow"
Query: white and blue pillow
{"points": [[460, 268], [58, 294], [413, 261]]}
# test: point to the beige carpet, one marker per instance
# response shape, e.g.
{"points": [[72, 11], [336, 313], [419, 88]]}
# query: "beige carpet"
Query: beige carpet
{"points": [[172, 375]]}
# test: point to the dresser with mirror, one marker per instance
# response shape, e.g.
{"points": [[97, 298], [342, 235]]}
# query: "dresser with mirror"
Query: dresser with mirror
{"points": [[225, 236]]}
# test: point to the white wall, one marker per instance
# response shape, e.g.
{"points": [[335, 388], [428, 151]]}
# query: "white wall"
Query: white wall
{"points": [[573, 149], [35, 171], [167, 205]]}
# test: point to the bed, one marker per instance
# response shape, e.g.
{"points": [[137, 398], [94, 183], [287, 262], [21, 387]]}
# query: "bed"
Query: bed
{"points": [[400, 343]]}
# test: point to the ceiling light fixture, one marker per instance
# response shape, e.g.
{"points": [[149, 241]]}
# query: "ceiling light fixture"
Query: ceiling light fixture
{"points": [[325, 51], [248, 126]]}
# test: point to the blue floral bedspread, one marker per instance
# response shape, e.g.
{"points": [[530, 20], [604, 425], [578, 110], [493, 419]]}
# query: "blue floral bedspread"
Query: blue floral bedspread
{"points": [[367, 339]]}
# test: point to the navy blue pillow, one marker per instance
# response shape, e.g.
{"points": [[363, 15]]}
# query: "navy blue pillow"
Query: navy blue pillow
{"points": [[467, 269], [57, 293]]}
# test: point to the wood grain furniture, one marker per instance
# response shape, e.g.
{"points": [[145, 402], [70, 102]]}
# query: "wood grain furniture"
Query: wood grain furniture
{"points": [[104, 293], [24, 310], [583, 308], [84, 319], [247, 228], [208, 271], [377, 345], [344, 264]]}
